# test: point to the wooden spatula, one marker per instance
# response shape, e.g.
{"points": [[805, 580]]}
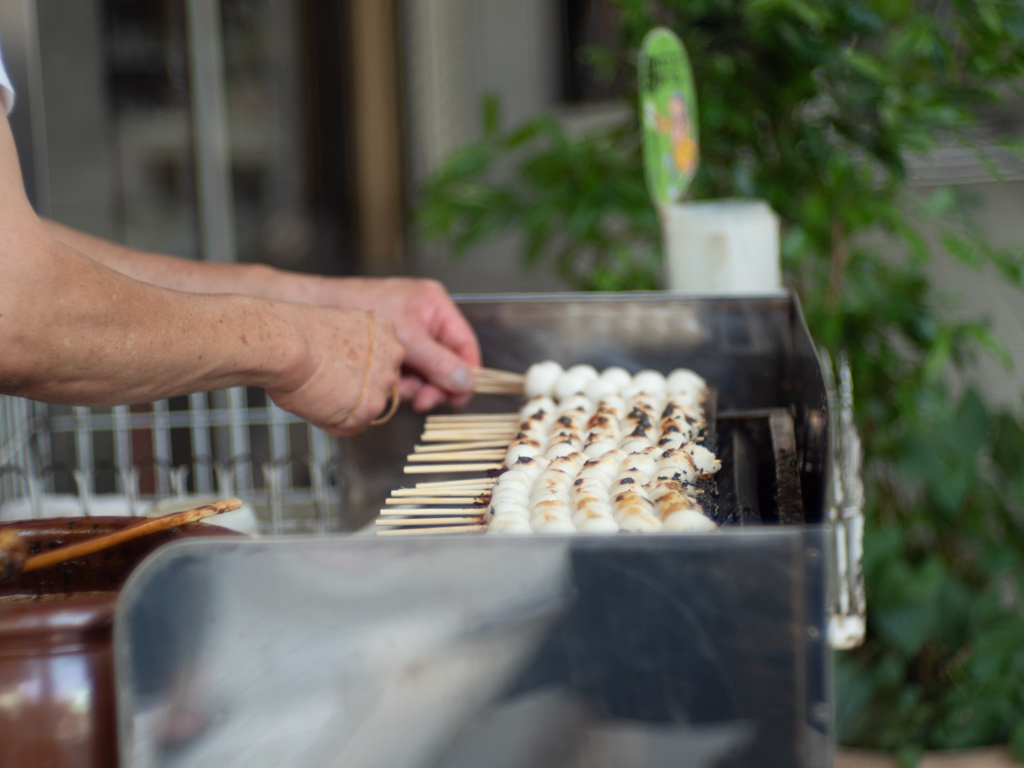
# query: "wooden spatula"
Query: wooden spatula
{"points": [[14, 558]]}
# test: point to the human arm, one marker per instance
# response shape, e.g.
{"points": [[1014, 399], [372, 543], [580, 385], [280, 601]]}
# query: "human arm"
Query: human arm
{"points": [[75, 331], [440, 347]]}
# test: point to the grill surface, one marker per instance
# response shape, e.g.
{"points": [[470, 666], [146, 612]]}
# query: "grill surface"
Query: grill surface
{"points": [[755, 352]]}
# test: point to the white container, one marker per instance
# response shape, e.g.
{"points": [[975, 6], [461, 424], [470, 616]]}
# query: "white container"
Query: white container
{"points": [[722, 246]]}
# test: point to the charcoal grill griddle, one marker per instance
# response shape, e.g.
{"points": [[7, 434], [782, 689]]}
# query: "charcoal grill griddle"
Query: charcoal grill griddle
{"points": [[547, 652]]}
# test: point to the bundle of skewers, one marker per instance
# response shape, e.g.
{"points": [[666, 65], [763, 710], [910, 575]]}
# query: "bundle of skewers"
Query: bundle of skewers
{"points": [[491, 381], [590, 452]]}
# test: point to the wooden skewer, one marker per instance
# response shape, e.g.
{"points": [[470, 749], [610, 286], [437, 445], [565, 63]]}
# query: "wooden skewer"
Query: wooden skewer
{"points": [[423, 469], [455, 456], [504, 427], [486, 374], [461, 490], [432, 439], [507, 428], [430, 521], [437, 447], [471, 426], [474, 426], [431, 531], [487, 428], [434, 500], [455, 483], [427, 511], [441, 493], [446, 418], [514, 387], [450, 437], [154, 525], [497, 373], [496, 389]]}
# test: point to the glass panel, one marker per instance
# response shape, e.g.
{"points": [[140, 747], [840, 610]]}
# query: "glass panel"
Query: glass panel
{"points": [[539, 652]]}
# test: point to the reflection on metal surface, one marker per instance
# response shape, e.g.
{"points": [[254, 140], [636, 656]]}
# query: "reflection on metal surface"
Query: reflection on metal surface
{"points": [[325, 655], [545, 652], [562, 730], [848, 621]]}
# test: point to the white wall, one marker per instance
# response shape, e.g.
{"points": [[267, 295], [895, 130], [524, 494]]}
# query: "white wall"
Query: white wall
{"points": [[972, 294], [456, 51]]}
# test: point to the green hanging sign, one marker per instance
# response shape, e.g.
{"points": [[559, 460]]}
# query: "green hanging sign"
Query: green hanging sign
{"points": [[668, 108]]}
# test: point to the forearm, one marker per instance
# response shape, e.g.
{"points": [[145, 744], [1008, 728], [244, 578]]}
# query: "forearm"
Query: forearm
{"points": [[169, 271], [440, 347], [258, 280], [206, 277], [105, 338]]}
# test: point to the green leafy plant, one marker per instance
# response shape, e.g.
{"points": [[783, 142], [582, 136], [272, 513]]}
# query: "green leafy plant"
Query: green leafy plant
{"points": [[813, 107], [554, 188]]}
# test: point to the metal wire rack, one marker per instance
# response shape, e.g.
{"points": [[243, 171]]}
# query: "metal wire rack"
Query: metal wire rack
{"points": [[233, 442]]}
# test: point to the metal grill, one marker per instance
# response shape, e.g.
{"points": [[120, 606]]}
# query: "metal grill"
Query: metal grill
{"points": [[234, 442]]}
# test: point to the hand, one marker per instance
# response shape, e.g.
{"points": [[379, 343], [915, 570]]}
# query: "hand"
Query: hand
{"points": [[330, 392], [440, 347]]}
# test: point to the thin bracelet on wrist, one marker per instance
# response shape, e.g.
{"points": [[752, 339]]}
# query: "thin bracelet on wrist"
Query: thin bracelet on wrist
{"points": [[369, 365]]}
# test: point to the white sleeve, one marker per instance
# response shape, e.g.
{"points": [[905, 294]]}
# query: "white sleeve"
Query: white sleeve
{"points": [[6, 89]]}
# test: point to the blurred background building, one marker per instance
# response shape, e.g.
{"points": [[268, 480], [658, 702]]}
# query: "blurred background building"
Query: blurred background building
{"points": [[292, 133], [296, 132]]}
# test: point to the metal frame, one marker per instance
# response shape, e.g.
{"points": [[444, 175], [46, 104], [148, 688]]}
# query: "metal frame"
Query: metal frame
{"points": [[222, 458]]}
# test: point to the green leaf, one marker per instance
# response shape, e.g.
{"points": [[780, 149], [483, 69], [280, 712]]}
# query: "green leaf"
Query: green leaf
{"points": [[970, 428], [907, 604], [989, 15], [995, 646], [1017, 740], [854, 691], [1008, 447], [868, 66], [909, 755], [938, 357], [961, 251], [807, 13], [939, 203]]}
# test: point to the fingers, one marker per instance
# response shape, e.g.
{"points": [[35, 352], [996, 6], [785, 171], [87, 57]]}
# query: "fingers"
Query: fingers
{"points": [[423, 397], [438, 364], [408, 386], [428, 398], [440, 345], [455, 332]]}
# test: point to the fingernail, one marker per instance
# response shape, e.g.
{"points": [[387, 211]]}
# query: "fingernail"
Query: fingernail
{"points": [[461, 379]]}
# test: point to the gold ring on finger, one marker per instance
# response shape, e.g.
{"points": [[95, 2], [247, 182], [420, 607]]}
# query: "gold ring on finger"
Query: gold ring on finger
{"points": [[395, 402]]}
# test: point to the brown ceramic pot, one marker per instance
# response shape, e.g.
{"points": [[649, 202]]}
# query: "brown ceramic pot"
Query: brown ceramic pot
{"points": [[56, 657]]}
